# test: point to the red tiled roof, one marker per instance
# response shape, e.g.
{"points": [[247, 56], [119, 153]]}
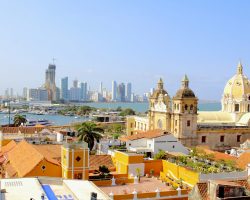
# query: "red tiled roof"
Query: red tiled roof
{"points": [[141, 134], [97, 160], [218, 155], [25, 157], [203, 190], [243, 160], [24, 130]]}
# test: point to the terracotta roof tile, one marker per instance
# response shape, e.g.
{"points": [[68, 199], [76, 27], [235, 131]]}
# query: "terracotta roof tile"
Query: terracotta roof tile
{"points": [[142, 134], [6, 148], [243, 160], [25, 130], [218, 155], [24, 157], [203, 189], [97, 160]]}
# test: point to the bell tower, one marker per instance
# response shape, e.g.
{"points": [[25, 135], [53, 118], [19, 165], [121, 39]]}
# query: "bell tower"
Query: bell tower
{"points": [[159, 109], [75, 160], [184, 114]]}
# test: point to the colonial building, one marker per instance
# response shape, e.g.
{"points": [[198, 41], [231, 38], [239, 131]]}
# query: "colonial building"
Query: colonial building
{"points": [[179, 115]]}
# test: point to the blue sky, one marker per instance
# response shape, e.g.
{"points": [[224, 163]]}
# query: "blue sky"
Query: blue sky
{"points": [[135, 41]]}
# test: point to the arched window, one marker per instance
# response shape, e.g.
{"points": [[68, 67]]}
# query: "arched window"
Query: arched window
{"points": [[186, 107], [236, 107], [191, 107], [159, 124]]}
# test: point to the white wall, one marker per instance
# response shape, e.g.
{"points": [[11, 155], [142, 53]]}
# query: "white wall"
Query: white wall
{"points": [[168, 143]]}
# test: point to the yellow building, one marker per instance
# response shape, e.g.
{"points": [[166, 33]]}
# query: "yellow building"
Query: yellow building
{"points": [[75, 161], [219, 130]]}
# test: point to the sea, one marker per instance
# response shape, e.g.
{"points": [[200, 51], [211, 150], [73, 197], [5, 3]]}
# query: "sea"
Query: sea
{"points": [[66, 120]]}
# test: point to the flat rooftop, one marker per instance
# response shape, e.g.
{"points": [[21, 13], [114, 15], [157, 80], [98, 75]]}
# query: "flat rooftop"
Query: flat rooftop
{"points": [[28, 188], [145, 185]]}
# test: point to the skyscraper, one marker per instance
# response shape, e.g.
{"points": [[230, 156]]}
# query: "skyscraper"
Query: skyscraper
{"points": [[121, 92], [101, 88], [64, 88], [84, 91], [128, 92], [50, 83], [114, 91]]}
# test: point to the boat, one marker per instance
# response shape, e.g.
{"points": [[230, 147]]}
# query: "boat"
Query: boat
{"points": [[43, 122]]}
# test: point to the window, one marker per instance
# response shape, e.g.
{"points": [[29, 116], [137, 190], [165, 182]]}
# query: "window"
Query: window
{"points": [[78, 176], [175, 106], [236, 107], [248, 108], [176, 122], [188, 123], [173, 146], [131, 125], [186, 107], [43, 167], [191, 107], [203, 139], [78, 158], [222, 138], [132, 132], [135, 124], [159, 124], [145, 127], [238, 138]]}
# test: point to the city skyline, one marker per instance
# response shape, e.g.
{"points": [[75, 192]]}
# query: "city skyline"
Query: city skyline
{"points": [[98, 42]]}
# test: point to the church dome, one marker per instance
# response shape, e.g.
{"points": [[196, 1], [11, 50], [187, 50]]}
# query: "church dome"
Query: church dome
{"points": [[159, 90], [238, 86], [184, 91]]}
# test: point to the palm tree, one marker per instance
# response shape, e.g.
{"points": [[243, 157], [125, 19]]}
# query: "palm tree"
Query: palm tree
{"points": [[89, 132], [19, 119]]}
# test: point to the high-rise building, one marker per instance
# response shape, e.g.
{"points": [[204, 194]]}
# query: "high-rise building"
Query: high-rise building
{"points": [[38, 94], [84, 91], [114, 91], [121, 92], [128, 92], [50, 83], [101, 88], [64, 88], [25, 93], [75, 83], [75, 92], [11, 93]]}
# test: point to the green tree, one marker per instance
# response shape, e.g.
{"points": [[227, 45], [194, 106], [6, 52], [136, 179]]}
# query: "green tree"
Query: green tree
{"points": [[104, 171], [160, 155], [89, 132], [127, 111], [19, 119]]}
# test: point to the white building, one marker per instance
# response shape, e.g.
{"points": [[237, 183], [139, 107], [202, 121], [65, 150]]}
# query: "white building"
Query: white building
{"points": [[151, 142]]}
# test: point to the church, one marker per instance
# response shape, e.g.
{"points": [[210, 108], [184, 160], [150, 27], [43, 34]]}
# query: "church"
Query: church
{"points": [[179, 115]]}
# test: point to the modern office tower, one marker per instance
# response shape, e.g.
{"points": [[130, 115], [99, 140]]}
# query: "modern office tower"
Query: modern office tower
{"points": [[114, 91], [132, 97], [75, 83], [101, 88], [84, 91], [25, 93], [128, 92], [38, 94], [75, 94], [152, 91], [121, 92], [11, 93], [64, 88], [6, 93], [50, 83]]}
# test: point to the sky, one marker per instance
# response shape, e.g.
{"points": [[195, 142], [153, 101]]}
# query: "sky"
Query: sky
{"points": [[128, 41]]}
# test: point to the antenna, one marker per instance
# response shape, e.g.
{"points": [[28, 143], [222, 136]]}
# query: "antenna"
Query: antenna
{"points": [[53, 59]]}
